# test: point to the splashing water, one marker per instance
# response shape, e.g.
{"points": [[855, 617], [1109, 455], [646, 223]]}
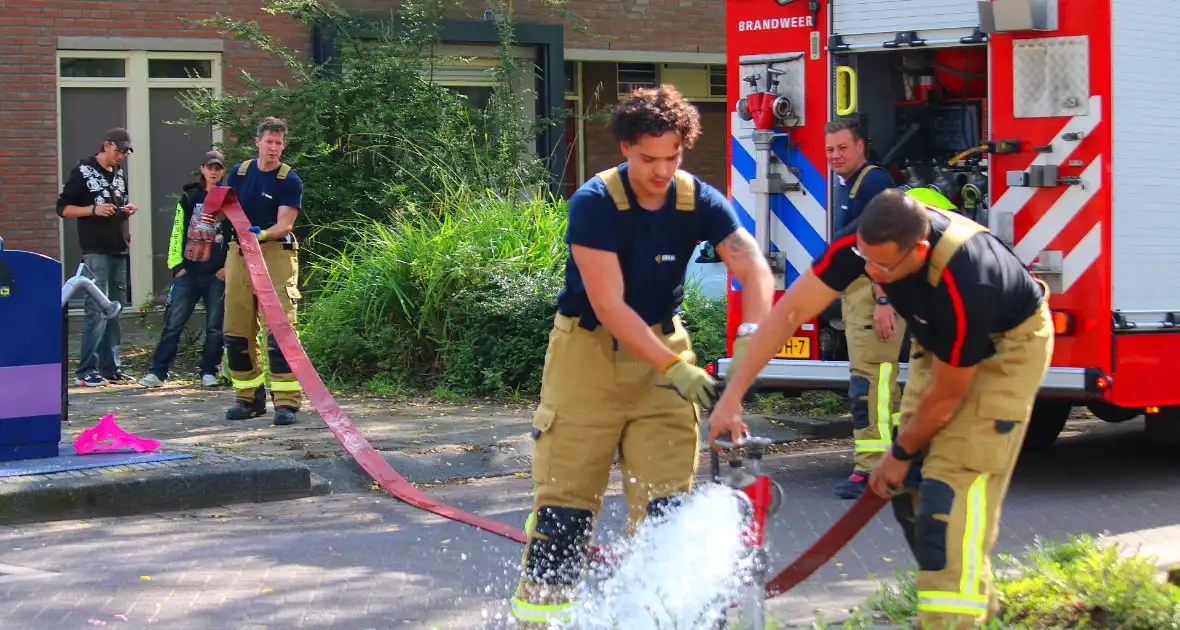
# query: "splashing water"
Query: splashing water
{"points": [[677, 573]]}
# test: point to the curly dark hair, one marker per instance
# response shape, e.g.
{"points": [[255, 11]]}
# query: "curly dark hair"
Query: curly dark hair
{"points": [[655, 111]]}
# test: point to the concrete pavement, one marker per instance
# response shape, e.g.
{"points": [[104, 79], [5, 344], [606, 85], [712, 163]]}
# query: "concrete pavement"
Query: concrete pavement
{"points": [[367, 561]]}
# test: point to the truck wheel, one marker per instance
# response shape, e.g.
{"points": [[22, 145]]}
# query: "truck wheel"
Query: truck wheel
{"points": [[1047, 420]]}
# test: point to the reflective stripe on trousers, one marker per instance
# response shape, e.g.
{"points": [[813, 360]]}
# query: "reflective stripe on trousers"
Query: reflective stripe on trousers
{"points": [[885, 415], [967, 601], [541, 613]]}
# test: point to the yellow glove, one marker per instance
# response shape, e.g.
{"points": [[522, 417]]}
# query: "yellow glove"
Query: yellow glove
{"points": [[692, 382]]}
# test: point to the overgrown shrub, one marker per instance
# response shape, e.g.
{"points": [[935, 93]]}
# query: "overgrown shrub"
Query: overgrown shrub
{"points": [[394, 298], [1076, 583]]}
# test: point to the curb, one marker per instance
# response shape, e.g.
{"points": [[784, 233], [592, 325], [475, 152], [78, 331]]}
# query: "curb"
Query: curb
{"points": [[144, 492]]}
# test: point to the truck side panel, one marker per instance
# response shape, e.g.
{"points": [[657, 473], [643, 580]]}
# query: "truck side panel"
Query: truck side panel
{"points": [[1051, 91]]}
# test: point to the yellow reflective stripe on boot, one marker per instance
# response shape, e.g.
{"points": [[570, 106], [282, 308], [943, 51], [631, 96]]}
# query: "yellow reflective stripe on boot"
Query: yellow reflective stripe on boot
{"points": [[541, 613], [967, 601], [253, 383], [285, 386], [884, 413], [952, 603]]}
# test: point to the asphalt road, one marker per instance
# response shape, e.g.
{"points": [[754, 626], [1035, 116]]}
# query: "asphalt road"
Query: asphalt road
{"points": [[368, 561]]}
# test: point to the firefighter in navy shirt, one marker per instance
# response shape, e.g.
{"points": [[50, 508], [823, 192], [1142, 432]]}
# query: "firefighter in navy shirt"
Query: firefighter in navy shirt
{"points": [[270, 194], [620, 373], [871, 327], [981, 342]]}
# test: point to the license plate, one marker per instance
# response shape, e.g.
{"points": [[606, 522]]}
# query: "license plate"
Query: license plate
{"points": [[796, 348]]}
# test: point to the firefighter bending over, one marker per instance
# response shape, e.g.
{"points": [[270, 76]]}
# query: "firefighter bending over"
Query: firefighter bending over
{"points": [[620, 372], [871, 327], [271, 194], [981, 342]]}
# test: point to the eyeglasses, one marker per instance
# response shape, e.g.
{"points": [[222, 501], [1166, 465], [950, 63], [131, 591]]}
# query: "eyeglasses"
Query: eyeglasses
{"points": [[885, 268]]}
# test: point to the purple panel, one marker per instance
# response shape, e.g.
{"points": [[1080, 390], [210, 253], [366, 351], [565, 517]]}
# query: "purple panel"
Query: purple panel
{"points": [[30, 390]]}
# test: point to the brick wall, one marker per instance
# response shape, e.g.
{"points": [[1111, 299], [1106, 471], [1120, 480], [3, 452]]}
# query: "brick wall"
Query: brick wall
{"points": [[706, 159], [28, 79], [665, 25]]}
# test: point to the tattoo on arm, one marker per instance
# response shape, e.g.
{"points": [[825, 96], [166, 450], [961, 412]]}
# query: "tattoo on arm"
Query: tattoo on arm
{"points": [[739, 245]]}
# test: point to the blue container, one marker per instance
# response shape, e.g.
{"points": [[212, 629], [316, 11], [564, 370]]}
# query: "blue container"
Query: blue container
{"points": [[31, 347]]}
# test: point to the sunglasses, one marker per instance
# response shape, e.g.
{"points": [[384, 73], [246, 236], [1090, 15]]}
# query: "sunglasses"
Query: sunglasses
{"points": [[885, 268]]}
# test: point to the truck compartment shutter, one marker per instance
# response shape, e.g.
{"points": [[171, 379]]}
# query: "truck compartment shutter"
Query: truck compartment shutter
{"points": [[1145, 235], [857, 17]]}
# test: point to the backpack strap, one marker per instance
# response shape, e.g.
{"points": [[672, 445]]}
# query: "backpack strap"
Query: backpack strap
{"points": [[860, 178], [244, 167], [958, 232]]}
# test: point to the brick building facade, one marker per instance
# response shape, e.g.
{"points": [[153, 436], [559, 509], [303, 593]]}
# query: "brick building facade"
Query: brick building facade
{"points": [[74, 69]]}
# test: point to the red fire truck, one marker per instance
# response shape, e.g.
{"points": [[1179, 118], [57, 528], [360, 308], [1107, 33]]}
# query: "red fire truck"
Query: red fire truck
{"points": [[1046, 120]]}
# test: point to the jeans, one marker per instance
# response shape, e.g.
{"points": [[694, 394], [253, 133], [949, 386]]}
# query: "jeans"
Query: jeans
{"points": [[101, 337], [183, 296]]}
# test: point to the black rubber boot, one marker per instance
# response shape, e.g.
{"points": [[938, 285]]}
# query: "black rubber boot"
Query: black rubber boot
{"points": [[285, 415], [853, 486], [243, 410]]}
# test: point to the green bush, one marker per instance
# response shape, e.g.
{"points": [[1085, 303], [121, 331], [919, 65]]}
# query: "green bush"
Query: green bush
{"points": [[1076, 583], [704, 318], [398, 299]]}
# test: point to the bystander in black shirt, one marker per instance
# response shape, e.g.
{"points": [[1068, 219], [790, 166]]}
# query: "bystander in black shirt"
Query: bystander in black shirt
{"points": [[90, 184], [984, 290]]}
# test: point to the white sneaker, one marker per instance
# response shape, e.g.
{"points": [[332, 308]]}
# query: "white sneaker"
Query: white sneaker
{"points": [[209, 380], [151, 380]]}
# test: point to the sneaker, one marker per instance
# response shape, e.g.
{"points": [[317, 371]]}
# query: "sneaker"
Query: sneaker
{"points": [[151, 380], [209, 380], [91, 380], [119, 378], [853, 486], [285, 415]]}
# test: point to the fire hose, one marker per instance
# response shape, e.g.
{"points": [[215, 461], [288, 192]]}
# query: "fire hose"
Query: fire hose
{"points": [[224, 199]]}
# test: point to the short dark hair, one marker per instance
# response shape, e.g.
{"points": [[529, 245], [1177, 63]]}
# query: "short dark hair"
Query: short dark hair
{"points": [[654, 111], [270, 123], [894, 217], [841, 124]]}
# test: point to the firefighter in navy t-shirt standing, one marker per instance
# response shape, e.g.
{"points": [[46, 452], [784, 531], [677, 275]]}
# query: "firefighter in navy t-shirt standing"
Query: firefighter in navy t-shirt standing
{"points": [[271, 194], [620, 372], [873, 331], [982, 338]]}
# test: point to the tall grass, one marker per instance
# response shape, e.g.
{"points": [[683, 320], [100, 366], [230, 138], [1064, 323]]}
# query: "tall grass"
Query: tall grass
{"points": [[385, 301]]}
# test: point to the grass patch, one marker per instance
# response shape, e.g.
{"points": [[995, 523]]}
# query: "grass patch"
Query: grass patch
{"points": [[1074, 583]]}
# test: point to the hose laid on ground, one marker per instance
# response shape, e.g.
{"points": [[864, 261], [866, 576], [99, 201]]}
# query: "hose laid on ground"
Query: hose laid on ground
{"points": [[224, 199]]}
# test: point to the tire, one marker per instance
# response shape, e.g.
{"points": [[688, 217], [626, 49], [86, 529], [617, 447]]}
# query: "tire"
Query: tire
{"points": [[1047, 420]]}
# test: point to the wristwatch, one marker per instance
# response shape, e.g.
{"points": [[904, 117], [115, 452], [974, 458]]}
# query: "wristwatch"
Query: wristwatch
{"points": [[882, 300], [900, 455], [746, 329]]}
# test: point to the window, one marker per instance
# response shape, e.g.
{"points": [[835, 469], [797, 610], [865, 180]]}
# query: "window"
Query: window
{"points": [[717, 81], [572, 78], [633, 76], [180, 68], [74, 67]]}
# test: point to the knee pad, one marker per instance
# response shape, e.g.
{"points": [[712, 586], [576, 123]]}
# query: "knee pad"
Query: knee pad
{"points": [[858, 401], [237, 350], [558, 544], [278, 363], [936, 499], [661, 507]]}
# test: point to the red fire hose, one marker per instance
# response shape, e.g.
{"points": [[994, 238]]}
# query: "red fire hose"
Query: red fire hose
{"points": [[225, 199]]}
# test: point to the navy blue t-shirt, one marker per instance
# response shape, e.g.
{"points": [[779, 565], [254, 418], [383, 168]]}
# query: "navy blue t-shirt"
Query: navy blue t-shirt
{"points": [[655, 264], [872, 182], [261, 193]]}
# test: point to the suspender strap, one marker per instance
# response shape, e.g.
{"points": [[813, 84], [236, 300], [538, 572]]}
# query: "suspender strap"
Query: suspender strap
{"points": [[614, 186], [244, 167], [958, 232], [686, 198], [860, 178], [284, 168]]}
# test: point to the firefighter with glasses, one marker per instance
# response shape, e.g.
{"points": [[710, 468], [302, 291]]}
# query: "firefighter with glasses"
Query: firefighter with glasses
{"points": [[620, 373], [981, 343]]}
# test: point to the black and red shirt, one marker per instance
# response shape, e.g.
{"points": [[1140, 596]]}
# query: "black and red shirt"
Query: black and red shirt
{"points": [[984, 290]]}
